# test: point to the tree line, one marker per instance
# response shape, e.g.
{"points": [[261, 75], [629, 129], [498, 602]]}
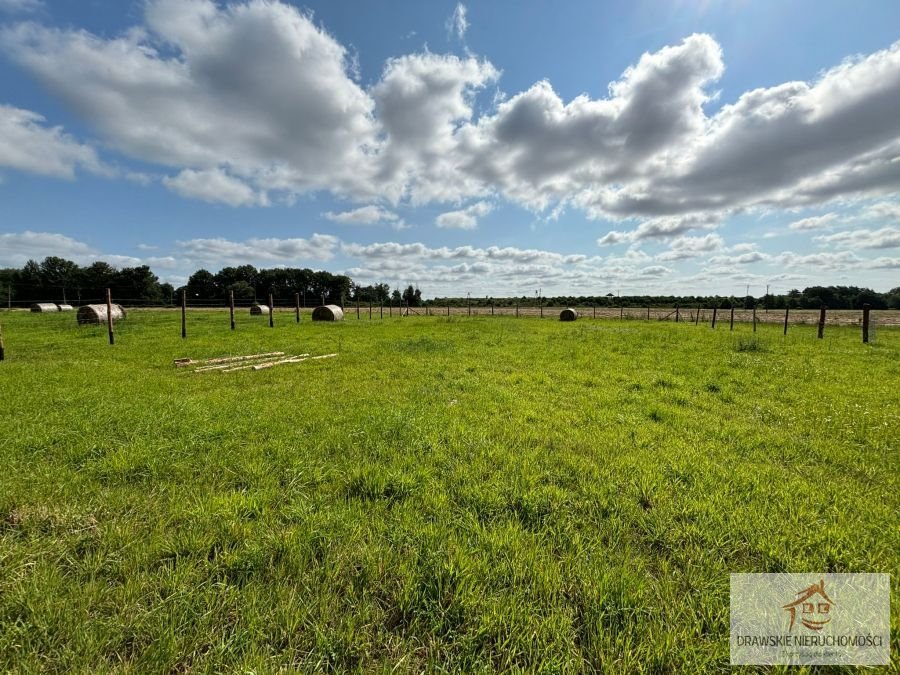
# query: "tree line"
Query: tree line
{"points": [[56, 279]]}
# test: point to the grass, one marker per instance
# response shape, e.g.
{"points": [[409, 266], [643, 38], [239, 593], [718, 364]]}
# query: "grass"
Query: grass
{"points": [[456, 495]]}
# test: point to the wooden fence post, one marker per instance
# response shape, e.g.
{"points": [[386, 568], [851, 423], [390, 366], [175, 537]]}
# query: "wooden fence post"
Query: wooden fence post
{"points": [[865, 324], [2, 348], [715, 310], [648, 312], [357, 309], [731, 323], [469, 304], [594, 305], [786, 312], [822, 322], [621, 312], [492, 308], [754, 318], [183, 314], [697, 318], [231, 308], [517, 310], [271, 312], [390, 308], [448, 309], [370, 311], [297, 306], [677, 314], [381, 309], [542, 309]]}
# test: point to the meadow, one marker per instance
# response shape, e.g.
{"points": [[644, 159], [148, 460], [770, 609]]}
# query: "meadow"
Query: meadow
{"points": [[448, 494]]}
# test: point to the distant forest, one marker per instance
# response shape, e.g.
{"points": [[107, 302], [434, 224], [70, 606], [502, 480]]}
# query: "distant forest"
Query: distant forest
{"points": [[59, 280]]}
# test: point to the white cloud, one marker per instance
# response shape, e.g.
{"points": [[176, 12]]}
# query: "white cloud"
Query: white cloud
{"points": [[885, 263], [815, 222], [20, 6], [319, 247], [644, 151], [457, 23], [364, 215], [202, 87], [684, 248], [464, 219], [18, 248], [27, 144], [214, 185], [886, 237]]}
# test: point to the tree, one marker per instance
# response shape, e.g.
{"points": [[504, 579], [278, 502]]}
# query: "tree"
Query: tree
{"points": [[57, 275], [412, 296], [202, 285]]}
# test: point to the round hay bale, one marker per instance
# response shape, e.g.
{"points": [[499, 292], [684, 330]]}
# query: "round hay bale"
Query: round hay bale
{"points": [[568, 314], [44, 307], [65, 308], [259, 310], [97, 314], [327, 313]]}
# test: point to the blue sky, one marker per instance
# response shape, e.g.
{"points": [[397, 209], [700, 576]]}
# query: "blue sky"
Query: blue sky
{"points": [[486, 147]]}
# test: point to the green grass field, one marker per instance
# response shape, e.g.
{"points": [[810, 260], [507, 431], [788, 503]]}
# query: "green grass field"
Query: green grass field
{"points": [[460, 495]]}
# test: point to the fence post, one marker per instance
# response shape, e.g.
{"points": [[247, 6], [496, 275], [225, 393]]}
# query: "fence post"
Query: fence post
{"points": [[448, 309], [594, 305], [517, 310], [231, 308], [731, 323], [697, 318], [370, 310], [271, 312], [2, 348], [357, 309], [865, 325], [492, 308], [542, 309], [648, 312], [822, 322], [621, 312], [715, 311], [754, 318], [677, 314], [297, 306], [469, 304], [786, 312], [390, 308], [183, 314], [381, 308]]}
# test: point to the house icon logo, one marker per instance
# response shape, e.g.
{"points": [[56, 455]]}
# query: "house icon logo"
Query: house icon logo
{"points": [[812, 607]]}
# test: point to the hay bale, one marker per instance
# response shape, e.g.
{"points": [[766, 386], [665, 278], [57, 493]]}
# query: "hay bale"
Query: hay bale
{"points": [[44, 307], [327, 313], [568, 314], [259, 310], [97, 314], [65, 308]]}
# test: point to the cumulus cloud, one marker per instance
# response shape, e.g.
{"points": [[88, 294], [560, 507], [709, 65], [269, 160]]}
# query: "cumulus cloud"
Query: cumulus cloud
{"points": [[685, 248], [464, 219], [365, 215], [318, 247], [18, 248], [214, 185], [644, 152], [28, 144], [886, 237], [157, 93], [814, 222]]}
